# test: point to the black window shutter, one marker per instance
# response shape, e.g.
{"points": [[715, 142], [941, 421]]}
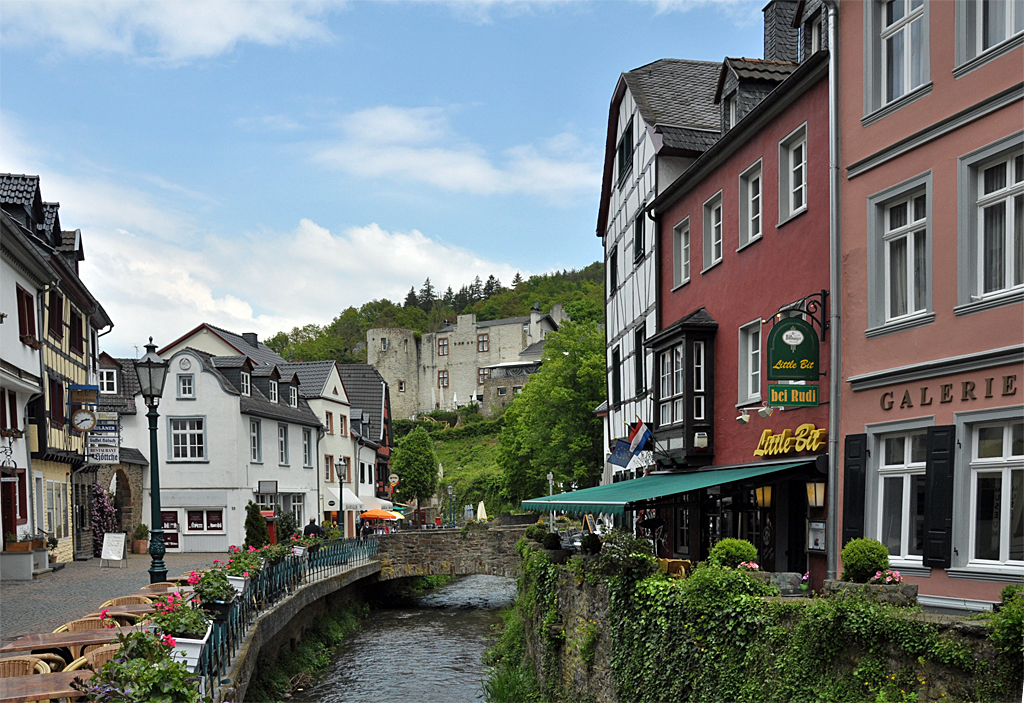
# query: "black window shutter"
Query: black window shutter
{"points": [[855, 465], [938, 496]]}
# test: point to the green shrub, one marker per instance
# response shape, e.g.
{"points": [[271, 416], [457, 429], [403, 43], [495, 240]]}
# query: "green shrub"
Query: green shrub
{"points": [[623, 555], [590, 544], [1006, 595], [730, 553], [141, 531], [256, 533], [536, 532], [552, 541], [862, 558]]}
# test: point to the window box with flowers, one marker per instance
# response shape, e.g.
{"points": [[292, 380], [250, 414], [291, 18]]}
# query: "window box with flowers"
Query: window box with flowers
{"points": [[12, 432], [184, 628], [31, 341], [241, 567], [212, 592]]}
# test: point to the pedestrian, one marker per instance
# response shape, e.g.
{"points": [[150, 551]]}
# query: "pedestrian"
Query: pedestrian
{"points": [[312, 529]]}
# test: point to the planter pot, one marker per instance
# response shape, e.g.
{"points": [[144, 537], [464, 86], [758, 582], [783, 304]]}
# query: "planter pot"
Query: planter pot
{"points": [[299, 551], [218, 609], [276, 560], [140, 546], [189, 650], [18, 546], [558, 556], [896, 594], [239, 583], [38, 544], [803, 586]]}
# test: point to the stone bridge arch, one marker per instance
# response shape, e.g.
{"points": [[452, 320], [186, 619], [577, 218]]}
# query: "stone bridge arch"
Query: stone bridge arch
{"points": [[452, 552]]}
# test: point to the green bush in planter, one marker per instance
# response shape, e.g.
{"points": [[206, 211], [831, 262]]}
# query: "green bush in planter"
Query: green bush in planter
{"points": [[552, 541], [141, 531], [536, 532], [862, 558], [590, 544], [730, 553]]}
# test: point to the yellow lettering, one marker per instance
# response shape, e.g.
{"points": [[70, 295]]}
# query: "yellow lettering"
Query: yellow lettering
{"points": [[806, 437], [762, 445], [806, 364]]}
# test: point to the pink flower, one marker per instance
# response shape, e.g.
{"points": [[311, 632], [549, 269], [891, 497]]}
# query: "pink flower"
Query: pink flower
{"points": [[251, 549], [215, 561], [168, 640], [193, 579], [245, 574], [103, 614]]}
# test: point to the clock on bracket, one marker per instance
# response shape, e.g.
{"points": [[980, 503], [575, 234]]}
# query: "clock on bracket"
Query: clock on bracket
{"points": [[83, 420]]}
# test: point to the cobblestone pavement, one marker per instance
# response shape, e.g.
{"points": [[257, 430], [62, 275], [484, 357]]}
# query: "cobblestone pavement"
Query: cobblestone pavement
{"points": [[52, 599]]}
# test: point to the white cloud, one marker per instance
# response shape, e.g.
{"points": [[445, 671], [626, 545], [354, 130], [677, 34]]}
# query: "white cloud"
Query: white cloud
{"points": [[164, 31], [418, 145]]}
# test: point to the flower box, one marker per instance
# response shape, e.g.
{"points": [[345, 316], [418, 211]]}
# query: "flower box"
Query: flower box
{"points": [[299, 551], [896, 593], [13, 433], [31, 341], [239, 583], [189, 650], [218, 609], [18, 547], [38, 544]]}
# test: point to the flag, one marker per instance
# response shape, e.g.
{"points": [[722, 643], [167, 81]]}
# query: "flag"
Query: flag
{"points": [[638, 436], [621, 455]]}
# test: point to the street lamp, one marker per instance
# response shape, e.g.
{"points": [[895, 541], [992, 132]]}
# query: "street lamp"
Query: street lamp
{"points": [[551, 491], [451, 504], [152, 372]]}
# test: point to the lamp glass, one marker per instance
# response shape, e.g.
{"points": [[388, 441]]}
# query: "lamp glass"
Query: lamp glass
{"points": [[700, 440], [152, 372], [815, 494], [764, 496]]}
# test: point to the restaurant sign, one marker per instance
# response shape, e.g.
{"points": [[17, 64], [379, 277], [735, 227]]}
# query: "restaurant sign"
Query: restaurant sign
{"points": [[793, 351], [806, 438], [793, 396]]}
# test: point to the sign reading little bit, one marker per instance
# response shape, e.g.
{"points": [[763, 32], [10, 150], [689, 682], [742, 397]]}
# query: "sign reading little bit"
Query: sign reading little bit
{"points": [[806, 438], [793, 351], [793, 396]]}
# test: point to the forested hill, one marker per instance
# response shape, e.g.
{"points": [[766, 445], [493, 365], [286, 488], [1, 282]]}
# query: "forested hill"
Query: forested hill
{"points": [[581, 293]]}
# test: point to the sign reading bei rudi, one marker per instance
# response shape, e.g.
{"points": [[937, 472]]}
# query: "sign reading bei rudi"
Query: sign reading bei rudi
{"points": [[793, 351]]}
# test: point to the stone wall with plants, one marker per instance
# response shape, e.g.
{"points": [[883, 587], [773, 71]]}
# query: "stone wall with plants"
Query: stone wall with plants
{"points": [[611, 628]]}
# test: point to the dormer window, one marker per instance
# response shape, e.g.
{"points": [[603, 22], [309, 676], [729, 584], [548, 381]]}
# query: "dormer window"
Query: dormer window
{"points": [[273, 391], [732, 110], [246, 384], [293, 397], [108, 381]]}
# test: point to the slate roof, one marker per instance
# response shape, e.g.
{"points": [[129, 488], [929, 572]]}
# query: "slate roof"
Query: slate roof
{"points": [[754, 70], [312, 376], [365, 388], [18, 189], [229, 362], [534, 349], [130, 455], [688, 138], [260, 354], [127, 389], [50, 213], [676, 92], [506, 321]]}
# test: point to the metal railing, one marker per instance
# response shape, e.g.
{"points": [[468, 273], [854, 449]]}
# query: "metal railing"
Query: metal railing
{"points": [[272, 585]]}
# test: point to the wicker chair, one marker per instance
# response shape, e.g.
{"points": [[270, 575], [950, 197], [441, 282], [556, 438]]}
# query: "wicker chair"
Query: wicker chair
{"points": [[95, 659], [160, 586], [22, 666], [128, 600], [54, 661], [78, 626]]}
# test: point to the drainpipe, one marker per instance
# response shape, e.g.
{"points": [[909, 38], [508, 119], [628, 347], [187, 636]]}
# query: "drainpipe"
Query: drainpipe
{"points": [[835, 292]]}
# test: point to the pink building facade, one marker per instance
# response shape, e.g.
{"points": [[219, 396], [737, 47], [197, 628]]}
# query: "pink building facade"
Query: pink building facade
{"points": [[932, 265]]}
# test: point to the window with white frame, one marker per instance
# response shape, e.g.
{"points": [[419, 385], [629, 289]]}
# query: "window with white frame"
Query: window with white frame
{"points": [[186, 385], [282, 445], [1000, 218], [329, 421], [732, 111], [793, 174], [899, 257], [108, 380], [906, 269], [442, 346], [246, 384], [750, 204], [671, 386], [57, 509], [681, 253], [442, 379], [997, 493], [343, 467], [188, 438], [997, 21], [901, 492], [986, 30], [383, 343], [699, 382], [750, 363], [255, 441], [293, 397], [401, 386], [713, 231], [903, 41], [273, 391], [483, 342], [307, 448]]}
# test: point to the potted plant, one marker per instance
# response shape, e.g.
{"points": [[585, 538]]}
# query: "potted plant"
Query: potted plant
{"points": [[140, 538], [274, 554], [241, 567], [31, 341], [144, 669], [12, 543], [866, 574], [213, 592], [12, 433], [188, 629], [38, 541], [51, 546], [803, 581]]}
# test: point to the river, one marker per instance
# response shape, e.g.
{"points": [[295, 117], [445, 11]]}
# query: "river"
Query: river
{"points": [[428, 653]]}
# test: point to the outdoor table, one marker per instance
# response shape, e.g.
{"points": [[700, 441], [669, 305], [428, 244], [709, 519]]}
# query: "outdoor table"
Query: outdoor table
{"points": [[57, 640], [133, 609], [165, 591], [40, 687]]}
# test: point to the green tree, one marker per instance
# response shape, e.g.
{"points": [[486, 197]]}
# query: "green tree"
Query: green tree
{"points": [[415, 463], [256, 532], [551, 425]]}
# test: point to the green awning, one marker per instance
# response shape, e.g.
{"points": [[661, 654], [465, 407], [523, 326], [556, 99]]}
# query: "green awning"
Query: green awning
{"points": [[614, 497]]}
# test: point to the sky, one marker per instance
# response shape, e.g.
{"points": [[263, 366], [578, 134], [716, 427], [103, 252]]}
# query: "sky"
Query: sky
{"points": [[265, 165]]}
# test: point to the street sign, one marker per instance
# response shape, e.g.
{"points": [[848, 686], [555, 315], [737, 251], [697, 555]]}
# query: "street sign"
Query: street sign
{"points": [[104, 427], [103, 440], [793, 351], [104, 455], [793, 396]]}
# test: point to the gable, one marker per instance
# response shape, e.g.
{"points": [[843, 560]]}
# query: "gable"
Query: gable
{"points": [[203, 339]]}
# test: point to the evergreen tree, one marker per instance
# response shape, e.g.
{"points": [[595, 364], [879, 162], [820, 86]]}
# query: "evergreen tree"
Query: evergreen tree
{"points": [[411, 301], [427, 295], [256, 533], [492, 286], [449, 298], [476, 290], [516, 280]]}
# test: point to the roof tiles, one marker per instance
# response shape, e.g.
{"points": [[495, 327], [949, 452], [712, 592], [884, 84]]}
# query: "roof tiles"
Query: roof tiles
{"points": [[676, 92]]}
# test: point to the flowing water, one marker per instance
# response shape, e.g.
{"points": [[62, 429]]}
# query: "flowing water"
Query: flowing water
{"points": [[428, 653]]}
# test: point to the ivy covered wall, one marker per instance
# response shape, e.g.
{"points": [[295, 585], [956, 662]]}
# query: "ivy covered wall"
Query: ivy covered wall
{"points": [[607, 628]]}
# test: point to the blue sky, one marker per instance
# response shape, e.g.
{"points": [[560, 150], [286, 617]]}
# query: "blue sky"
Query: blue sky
{"points": [[265, 165]]}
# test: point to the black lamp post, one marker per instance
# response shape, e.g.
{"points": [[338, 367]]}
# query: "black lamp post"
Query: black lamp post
{"points": [[152, 372]]}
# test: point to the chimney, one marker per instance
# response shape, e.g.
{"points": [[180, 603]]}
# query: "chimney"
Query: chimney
{"points": [[781, 38], [251, 339]]}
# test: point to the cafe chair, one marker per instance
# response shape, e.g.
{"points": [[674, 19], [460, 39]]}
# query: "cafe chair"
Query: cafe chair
{"points": [[159, 586], [79, 626], [54, 661], [22, 666], [128, 600], [95, 659]]}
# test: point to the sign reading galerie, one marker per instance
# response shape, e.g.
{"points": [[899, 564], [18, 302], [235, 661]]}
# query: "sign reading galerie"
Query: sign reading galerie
{"points": [[806, 438], [793, 351]]}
